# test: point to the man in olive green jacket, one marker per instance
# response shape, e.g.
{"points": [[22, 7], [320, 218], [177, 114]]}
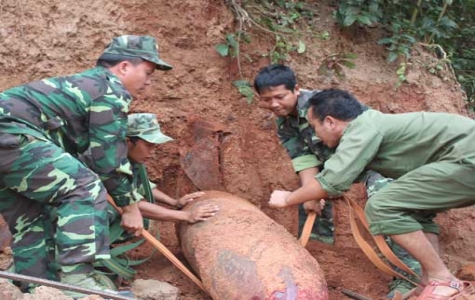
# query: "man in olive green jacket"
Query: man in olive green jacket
{"points": [[431, 156]]}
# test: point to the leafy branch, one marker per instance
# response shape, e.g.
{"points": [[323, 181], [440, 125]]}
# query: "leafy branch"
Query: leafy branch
{"points": [[281, 18]]}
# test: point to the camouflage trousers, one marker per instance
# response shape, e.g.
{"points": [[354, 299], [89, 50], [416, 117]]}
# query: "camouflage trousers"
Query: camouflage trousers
{"points": [[46, 193]]}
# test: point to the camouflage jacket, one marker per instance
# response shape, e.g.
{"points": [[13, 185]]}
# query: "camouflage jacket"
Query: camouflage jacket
{"points": [[304, 148], [85, 114]]}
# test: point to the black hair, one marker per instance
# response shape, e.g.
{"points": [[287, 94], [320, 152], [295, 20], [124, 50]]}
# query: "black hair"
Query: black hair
{"points": [[275, 75], [108, 60], [134, 139], [335, 103]]}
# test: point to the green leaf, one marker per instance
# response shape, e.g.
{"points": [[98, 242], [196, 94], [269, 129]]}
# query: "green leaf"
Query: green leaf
{"points": [[267, 22], [401, 70], [373, 7], [392, 56], [245, 89], [385, 41], [325, 35], [222, 49], [428, 22], [124, 248], [409, 38], [350, 56], [353, 10], [230, 39], [241, 82], [348, 64], [281, 3], [301, 48], [448, 23], [294, 16], [364, 20], [349, 19], [248, 93]]}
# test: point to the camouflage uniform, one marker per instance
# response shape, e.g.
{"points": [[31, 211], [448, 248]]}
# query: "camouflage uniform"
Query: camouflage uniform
{"points": [[144, 189], [307, 151], [146, 127], [62, 143]]}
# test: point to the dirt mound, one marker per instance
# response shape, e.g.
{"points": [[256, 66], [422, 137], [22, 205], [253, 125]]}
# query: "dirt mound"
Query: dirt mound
{"points": [[48, 38]]}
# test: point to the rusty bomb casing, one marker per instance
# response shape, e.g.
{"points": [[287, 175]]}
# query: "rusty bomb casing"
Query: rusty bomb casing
{"points": [[241, 253]]}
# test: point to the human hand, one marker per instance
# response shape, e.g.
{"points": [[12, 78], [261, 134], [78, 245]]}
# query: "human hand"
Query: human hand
{"points": [[188, 198], [277, 199], [314, 206], [201, 213], [132, 220]]}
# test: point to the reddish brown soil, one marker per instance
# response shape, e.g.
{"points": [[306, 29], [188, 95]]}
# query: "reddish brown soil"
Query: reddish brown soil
{"points": [[198, 106]]}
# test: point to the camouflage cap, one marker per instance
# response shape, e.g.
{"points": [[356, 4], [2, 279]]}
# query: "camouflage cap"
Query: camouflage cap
{"points": [[142, 46], [146, 127]]}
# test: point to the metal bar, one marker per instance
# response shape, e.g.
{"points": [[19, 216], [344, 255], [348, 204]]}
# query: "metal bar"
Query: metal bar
{"points": [[354, 295], [62, 286]]}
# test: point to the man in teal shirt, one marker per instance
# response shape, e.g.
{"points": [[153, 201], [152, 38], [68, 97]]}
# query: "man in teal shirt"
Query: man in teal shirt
{"points": [[430, 155]]}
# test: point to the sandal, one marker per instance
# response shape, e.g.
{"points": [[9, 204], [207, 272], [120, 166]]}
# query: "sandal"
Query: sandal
{"points": [[463, 288]]}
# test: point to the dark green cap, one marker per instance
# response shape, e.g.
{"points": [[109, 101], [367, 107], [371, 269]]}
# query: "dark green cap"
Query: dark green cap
{"points": [[142, 46]]}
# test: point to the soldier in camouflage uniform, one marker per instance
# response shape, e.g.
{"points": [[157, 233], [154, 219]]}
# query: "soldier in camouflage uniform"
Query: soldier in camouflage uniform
{"points": [[143, 134], [63, 146], [279, 92]]}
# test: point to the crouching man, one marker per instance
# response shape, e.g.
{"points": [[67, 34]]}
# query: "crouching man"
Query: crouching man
{"points": [[431, 156]]}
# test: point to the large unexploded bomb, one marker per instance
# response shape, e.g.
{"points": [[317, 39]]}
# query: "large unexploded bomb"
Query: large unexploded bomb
{"points": [[241, 253]]}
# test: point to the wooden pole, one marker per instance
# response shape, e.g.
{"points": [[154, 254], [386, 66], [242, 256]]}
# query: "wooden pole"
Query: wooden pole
{"points": [[307, 228], [167, 253]]}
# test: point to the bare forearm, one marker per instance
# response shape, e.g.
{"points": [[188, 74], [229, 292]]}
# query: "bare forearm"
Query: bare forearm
{"points": [[159, 213], [307, 175], [311, 190], [163, 198]]}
